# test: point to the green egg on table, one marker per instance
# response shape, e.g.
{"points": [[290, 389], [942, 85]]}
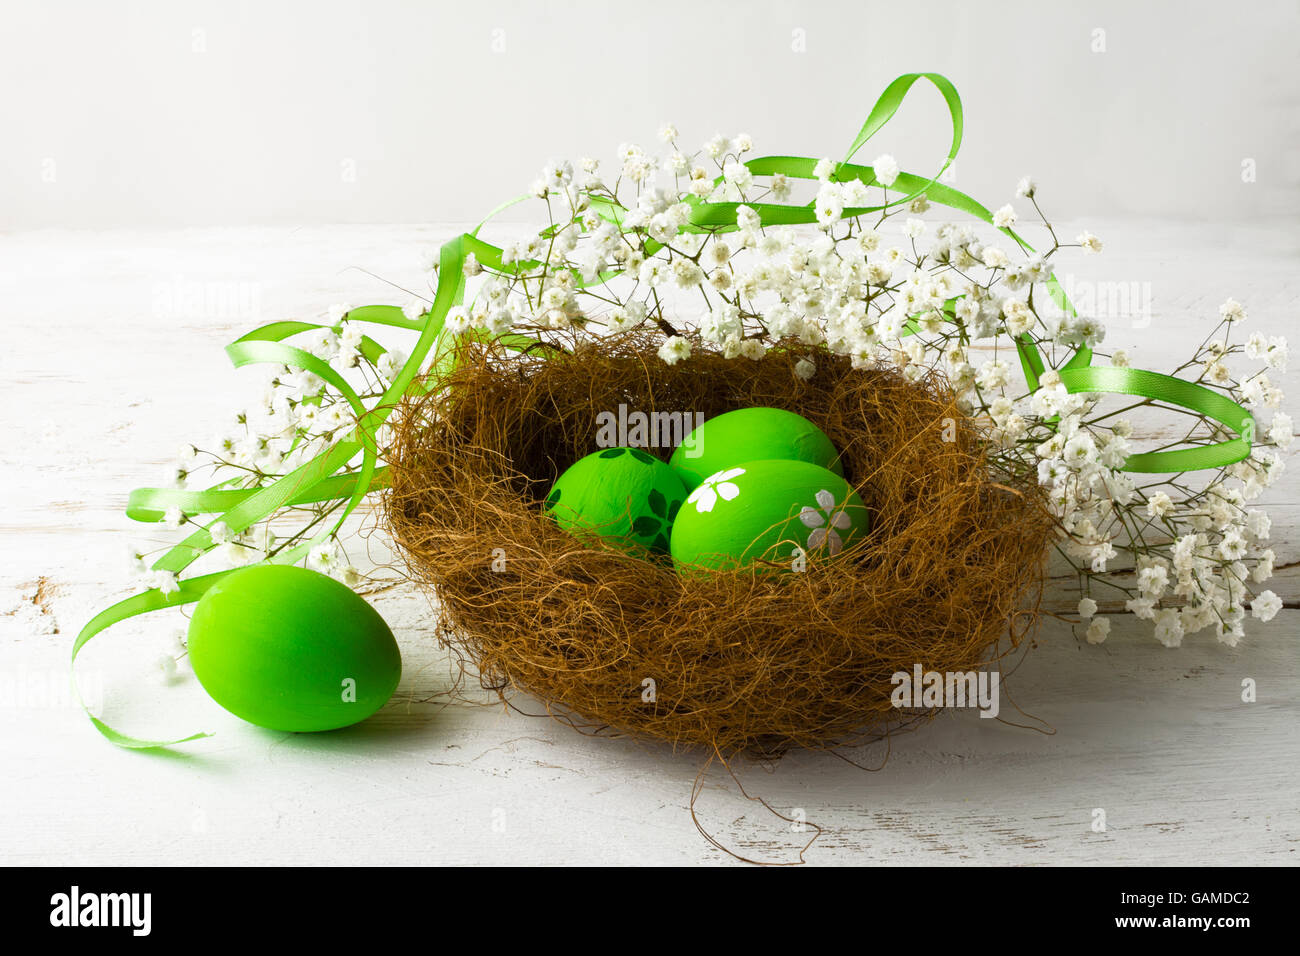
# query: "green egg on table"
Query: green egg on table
{"points": [[751, 434], [765, 510], [290, 649], [624, 495]]}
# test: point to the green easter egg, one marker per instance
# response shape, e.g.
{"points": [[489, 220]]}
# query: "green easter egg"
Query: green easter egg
{"points": [[751, 434], [621, 494], [290, 649], [766, 509]]}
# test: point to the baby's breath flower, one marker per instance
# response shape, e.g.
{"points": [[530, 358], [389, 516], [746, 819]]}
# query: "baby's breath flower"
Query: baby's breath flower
{"points": [[1169, 627], [830, 204], [351, 334], [1005, 217], [165, 581], [994, 258], [1265, 606], [1272, 350], [1279, 430], [324, 557], [686, 273], [1159, 505], [1098, 630], [390, 363], [1232, 311], [886, 169], [674, 349]]}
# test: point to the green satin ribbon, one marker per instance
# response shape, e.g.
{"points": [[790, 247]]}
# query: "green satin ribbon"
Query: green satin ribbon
{"points": [[1174, 391], [334, 475]]}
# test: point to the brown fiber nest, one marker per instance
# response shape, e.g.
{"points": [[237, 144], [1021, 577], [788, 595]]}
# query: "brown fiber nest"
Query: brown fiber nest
{"points": [[947, 578]]}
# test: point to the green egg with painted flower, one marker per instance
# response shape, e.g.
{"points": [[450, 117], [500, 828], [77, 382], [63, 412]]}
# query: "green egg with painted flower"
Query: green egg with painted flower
{"points": [[625, 496], [773, 510]]}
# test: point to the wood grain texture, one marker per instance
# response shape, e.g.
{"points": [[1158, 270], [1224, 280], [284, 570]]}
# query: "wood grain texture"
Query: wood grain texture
{"points": [[105, 376]]}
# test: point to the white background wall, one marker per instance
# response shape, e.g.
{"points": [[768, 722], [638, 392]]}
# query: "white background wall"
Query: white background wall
{"points": [[203, 112]]}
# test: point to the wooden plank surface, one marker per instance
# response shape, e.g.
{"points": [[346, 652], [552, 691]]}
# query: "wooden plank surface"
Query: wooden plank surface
{"points": [[114, 359]]}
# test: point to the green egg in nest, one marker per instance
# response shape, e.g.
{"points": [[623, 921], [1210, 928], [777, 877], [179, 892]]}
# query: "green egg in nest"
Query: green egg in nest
{"points": [[624, 495]]}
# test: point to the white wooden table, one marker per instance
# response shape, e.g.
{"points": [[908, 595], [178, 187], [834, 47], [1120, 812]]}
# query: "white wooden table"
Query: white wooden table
{"points": [[111, 362]]}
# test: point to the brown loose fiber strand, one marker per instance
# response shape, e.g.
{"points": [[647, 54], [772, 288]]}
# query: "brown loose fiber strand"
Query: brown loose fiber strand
{"points": [[742, 661]]}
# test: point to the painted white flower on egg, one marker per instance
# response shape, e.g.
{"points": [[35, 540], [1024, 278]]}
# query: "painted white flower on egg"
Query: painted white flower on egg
{"points": [[822, 531], [718, 485]]}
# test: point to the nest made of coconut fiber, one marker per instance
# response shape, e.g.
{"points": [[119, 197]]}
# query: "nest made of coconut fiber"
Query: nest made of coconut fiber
{"points": [[947, 578]]}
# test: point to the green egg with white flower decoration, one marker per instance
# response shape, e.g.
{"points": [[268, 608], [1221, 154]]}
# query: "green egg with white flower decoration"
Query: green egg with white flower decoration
{"points": [[768, 510]]}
